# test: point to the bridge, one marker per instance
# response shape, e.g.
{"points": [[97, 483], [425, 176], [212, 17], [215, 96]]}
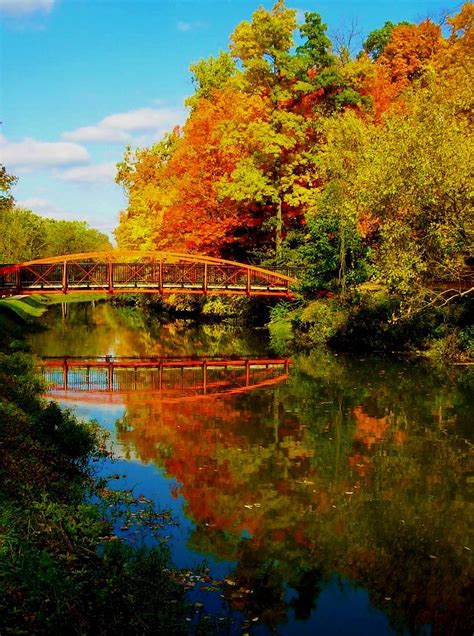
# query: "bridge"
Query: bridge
{"points": [[118, 272], [166, 380]]}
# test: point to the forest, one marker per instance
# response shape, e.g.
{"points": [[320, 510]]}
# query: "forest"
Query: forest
{"points": [[297, 152]]}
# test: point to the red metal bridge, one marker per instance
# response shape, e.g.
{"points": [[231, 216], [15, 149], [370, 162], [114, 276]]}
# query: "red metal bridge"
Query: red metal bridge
{"points": [[167, 380], [118, 272]]}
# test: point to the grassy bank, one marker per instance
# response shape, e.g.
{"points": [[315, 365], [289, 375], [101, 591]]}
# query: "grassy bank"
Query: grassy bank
{"points": [[62, 569]]}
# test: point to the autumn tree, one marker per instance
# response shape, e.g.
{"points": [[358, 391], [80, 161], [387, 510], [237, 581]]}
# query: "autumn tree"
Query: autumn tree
{"points": [[409, 49], [407, 186], [209, 75], [378, 39], [196, 217], [142, 176]]}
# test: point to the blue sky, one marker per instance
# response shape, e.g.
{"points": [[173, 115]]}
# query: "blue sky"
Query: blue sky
{"points": [[80, 79]]}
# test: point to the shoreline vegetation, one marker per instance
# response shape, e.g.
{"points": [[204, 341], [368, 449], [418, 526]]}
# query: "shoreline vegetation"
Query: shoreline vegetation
{"points": [[359, 321], [62, 568]]}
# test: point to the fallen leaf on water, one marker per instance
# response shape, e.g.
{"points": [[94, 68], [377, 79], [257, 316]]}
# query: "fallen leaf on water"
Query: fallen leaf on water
{"points": [[230, 582]]}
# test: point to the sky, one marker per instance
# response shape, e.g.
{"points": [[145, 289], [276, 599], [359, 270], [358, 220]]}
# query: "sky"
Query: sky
{"points": [[81, 79]]}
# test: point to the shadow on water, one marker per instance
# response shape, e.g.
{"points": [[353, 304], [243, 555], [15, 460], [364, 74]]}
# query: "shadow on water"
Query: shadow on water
{"points": [[337, 500]]}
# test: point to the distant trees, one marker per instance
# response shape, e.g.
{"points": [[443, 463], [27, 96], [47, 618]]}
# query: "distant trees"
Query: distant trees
{"points": [[26, 236]]}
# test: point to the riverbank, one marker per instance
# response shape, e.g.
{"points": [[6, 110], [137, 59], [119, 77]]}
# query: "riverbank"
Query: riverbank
{"points": [[62, 568], [374, 322], [363, 320], [360, 321]]}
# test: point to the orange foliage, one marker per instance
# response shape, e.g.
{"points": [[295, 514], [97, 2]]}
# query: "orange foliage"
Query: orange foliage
{"points": [[369, 430], [382, 91], [458, 49], [196, 220], [410, 48]]}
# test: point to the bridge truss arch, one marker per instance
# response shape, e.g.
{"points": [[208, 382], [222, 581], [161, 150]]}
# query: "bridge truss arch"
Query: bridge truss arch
{"points": [[119, 272]]}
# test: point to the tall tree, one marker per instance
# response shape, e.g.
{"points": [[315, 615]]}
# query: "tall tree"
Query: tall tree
{"points": [[142, 176], [409, 49]]}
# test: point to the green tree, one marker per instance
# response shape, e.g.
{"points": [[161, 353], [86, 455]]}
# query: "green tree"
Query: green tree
{"points": [[316, 49], [210, 74], [6, 183], [262, 46], [378, 39]]}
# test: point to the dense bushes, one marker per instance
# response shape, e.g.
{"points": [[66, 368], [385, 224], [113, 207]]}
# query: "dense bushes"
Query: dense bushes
{"points": [[364, 322]]}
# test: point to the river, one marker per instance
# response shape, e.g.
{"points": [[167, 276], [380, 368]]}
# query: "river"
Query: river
{"points": [[319, 494]]}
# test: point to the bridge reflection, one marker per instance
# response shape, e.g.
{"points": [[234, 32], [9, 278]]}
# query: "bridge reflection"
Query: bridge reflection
{"points": [[110, 379]]}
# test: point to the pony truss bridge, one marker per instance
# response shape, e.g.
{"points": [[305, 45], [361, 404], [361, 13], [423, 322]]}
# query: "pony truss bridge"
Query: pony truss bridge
{"points": [[118, 272]]}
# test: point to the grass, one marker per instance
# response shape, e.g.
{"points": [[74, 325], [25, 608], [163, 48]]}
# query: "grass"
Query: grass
{"points": [[30, 307]]}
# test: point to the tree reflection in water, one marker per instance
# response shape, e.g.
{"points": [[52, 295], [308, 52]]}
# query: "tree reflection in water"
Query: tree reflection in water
{"points": [[351, 470], [359, 469]]}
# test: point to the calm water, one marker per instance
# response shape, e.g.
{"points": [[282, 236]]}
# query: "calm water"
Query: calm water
{"points": [[335, 498]]}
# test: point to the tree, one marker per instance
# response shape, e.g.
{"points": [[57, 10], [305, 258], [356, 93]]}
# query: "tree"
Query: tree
{"points": [[408, 186], [142, 176], [409, 49], [6, 183], [316, 48], [26, 236], [378, 39], [263, 48], [208, 75], [195, 217]]}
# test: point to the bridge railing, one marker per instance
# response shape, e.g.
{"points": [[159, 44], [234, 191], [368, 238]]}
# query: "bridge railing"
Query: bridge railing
{"points": [[160, 277]]}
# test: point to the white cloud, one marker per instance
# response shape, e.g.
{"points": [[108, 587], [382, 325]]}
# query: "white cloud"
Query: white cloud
{"points": [[141, 119], [102, 173], [121, 127], [98, 133], [30, 153], [42, 206], [24, 7], [190, 26]]}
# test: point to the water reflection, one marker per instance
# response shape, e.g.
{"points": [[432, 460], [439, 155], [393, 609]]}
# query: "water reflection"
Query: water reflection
{"points": [[165, 380], [345, 490], [360, 470], [100, 329]]}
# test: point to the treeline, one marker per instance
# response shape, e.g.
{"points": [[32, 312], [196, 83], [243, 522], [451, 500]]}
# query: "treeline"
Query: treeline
{"points": [[296, 152], [25, 236]]}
